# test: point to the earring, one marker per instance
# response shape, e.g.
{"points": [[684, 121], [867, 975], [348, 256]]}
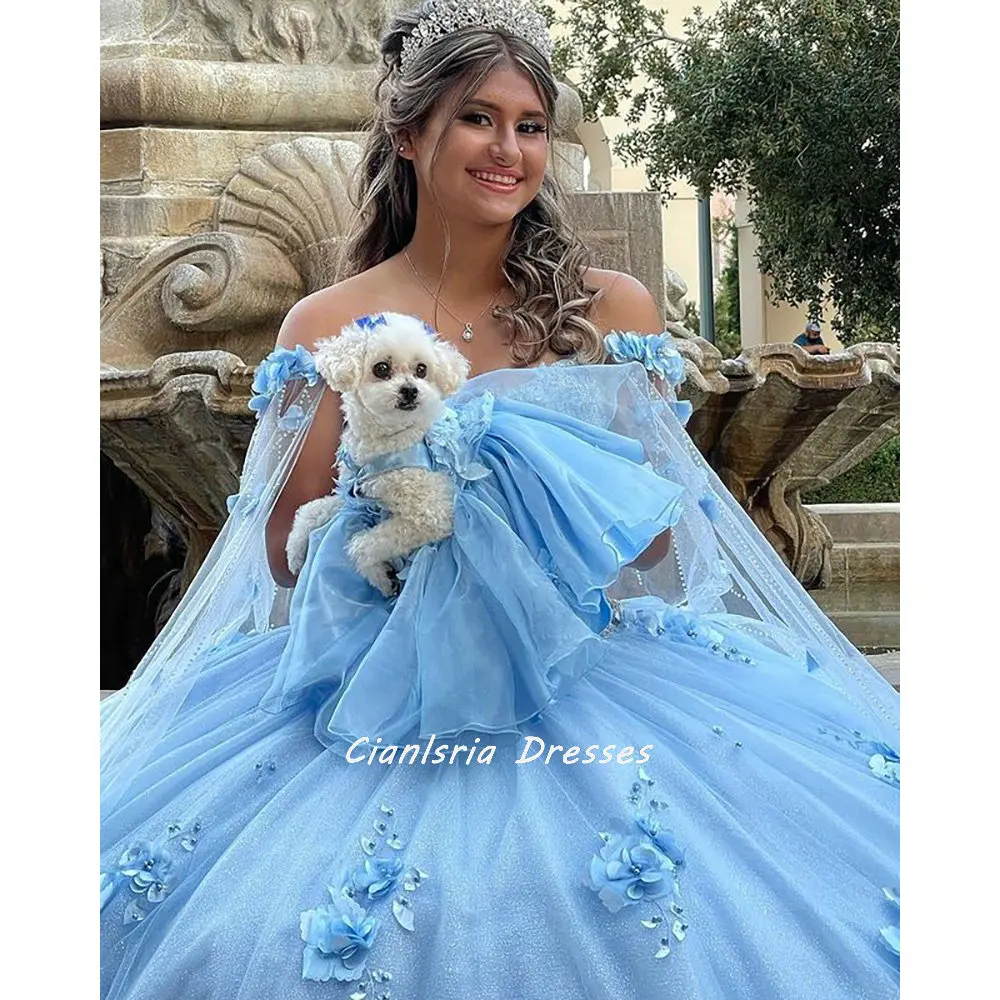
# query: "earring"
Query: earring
{"points": [[402, 149]]}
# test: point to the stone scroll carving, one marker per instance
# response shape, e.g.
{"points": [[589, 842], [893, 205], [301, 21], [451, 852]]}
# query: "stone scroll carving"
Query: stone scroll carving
{"points": [[275, 237]]}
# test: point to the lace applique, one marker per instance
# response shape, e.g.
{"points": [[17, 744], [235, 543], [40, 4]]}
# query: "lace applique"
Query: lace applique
{"points": [[639, 864], [340, 935], [558, 380], [151, 869]]}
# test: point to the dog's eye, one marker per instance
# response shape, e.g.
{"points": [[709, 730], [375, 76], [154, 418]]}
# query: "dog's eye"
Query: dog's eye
{"points": [[421, 370], [381, 369]]}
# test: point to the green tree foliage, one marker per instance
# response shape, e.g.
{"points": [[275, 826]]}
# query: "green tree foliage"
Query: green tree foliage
{"points": [[796, 101], [875, 480]]}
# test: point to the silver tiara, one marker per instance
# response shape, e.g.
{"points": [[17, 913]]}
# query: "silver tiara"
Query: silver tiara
{"points": [[512, 17]]}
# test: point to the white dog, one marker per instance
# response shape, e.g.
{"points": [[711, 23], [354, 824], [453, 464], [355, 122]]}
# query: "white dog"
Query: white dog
{"points": [[393, 375]]}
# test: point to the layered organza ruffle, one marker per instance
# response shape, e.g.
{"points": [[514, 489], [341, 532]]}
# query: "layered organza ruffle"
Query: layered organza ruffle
{"points": [[494, 620]]}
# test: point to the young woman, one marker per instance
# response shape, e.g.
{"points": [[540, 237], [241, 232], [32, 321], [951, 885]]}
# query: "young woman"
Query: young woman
{"points": [[600, 744]]}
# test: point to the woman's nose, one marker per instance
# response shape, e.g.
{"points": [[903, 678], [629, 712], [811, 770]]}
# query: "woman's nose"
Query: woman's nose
{"points": [[506, 149]]}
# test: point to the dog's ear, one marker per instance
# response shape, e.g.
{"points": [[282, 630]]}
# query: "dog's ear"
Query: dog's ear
{"points": [[339, 359], [451, 369]]}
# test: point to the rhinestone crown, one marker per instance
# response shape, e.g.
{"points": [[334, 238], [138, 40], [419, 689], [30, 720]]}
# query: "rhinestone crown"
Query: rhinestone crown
{"points": [[512, 17]]}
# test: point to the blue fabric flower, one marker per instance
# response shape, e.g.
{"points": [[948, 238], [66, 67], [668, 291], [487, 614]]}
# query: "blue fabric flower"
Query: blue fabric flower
{"points": [[276, 369], [453, 439], [629, 870], [338, 937], [654, 351], [375, 878], [663, 839], [149, 867], [885, 767]]}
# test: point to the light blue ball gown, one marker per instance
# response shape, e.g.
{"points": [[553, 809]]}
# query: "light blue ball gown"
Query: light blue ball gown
{"points": [[739, 838]]}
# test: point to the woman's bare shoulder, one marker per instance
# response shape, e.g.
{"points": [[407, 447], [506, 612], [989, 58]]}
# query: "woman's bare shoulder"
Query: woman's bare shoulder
{"points": [[325, 312], [625, 303]]}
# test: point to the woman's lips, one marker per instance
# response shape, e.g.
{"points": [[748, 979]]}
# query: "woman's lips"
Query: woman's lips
{"points": [[499, 186]]}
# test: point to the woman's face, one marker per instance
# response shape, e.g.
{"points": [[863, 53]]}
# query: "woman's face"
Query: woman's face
{"points": [[492, 156]]}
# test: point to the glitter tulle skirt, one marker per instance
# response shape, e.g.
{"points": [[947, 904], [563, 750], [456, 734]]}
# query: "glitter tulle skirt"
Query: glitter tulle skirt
{"points": [[774, 824]]}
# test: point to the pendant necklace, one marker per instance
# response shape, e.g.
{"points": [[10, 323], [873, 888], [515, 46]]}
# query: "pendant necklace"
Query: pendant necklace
{"points": [[468, 333]]}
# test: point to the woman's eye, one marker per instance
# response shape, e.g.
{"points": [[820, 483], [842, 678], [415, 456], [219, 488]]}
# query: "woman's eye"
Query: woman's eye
{"points": [[477, 118], [420, 371], [381, 369], [533, 128]]}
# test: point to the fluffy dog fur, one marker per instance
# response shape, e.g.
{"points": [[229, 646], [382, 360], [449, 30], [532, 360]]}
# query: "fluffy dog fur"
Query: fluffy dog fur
{"points": [[393, 380]]}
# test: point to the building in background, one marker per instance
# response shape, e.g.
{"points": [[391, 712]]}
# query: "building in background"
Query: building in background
{"points": [[761, 321]]}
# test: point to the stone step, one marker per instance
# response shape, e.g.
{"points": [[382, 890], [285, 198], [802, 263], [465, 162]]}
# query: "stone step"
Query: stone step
{"points": [[864, 562], [860, 522], [870, 597], [869, 629]]}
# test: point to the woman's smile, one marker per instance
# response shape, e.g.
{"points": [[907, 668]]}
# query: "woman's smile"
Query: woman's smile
{"points": [[502, 183]]}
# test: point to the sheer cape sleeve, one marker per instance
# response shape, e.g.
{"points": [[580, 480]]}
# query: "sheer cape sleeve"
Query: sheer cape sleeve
{"points": [[585, 466], [233, 595]]}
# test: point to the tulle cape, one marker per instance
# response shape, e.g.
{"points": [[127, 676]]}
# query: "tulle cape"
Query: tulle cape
{"points": [[372, 678]]}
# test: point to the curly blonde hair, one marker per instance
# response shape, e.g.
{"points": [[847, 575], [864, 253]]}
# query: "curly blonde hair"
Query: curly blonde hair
{"points": [[544, 261]]}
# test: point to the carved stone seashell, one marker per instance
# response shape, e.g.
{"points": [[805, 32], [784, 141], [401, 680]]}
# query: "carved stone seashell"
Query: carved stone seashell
{"points": [[297, 195]]}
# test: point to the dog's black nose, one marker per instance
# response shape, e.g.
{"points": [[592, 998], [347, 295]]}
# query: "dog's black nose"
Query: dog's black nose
{"points": [[408, 393]]}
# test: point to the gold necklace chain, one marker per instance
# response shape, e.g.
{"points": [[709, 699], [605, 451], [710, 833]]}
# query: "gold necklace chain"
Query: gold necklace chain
{"points": [[467, 333]]}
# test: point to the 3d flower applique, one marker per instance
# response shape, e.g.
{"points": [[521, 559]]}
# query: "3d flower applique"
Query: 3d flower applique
{"points": [[151, 869], [656, 618], [339, 935], [628, 870], [883, 760], [655, 352], [884, 764], [275, 370], [639, 864], [453, 439]]}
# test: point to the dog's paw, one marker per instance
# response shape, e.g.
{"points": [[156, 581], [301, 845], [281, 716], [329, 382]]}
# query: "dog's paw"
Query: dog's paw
{"points": [[383, 578], [380, 574]]}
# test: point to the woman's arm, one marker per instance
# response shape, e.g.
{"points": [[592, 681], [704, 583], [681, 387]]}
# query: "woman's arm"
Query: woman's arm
{"points": [[316, 316], [628, 306]]}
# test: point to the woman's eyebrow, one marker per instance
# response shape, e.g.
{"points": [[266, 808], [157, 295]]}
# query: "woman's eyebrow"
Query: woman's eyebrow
{"points": [[496, 107]]}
